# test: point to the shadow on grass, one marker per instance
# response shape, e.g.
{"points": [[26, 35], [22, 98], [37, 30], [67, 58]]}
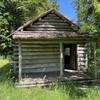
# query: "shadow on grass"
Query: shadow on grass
{"points": [[74, 89], [6, 74], [70, 89], [75, 92]]}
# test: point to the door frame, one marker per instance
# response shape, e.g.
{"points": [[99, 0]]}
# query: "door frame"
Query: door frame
{"points": [[73, 59]]}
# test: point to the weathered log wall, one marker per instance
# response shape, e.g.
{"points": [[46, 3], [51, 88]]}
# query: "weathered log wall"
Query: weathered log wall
{"points": [[49, 23], [44, 56], [82, 57], [38, 57]]}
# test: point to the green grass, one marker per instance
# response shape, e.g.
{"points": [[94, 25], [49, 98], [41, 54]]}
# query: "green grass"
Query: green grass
{"points": [[65, 91]]}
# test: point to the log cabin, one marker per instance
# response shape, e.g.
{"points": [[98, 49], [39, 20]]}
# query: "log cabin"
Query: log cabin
{"points": [[50, 43]]}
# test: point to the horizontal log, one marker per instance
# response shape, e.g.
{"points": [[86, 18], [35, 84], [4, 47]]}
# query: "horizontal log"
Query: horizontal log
{"points": [[52, 17], [84, 57], [30, 70], [82, 68], [51, 57], [81, 54], [81, 58], [33, 55], [33, 59], [82, 64], [36, 61], [42, 65], [49, 26], [36, 65], [52, 14], [38, 42], [38, 50], [48, 29], [39, 53], [40, 60], [81, 51], [51, 23], [38, 57], [53, 41], [33, 47], [52, 20], [39, 46], [33, 63], [40, 68]]}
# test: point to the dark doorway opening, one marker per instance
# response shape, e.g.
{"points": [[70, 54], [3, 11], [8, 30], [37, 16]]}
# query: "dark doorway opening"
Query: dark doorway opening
{"points": [[70, 57]]}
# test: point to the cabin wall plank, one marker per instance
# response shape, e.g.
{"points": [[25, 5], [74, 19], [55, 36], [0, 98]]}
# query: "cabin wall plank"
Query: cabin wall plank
{"points": [[82, 57], [38, 57], [47, 53], [49, 23], [20, 61]]}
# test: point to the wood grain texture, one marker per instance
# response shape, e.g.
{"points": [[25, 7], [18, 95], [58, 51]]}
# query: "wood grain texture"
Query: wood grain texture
{"points": [[82, 57], [20, 61], [61, 60], [49, 23], [38, 56]]}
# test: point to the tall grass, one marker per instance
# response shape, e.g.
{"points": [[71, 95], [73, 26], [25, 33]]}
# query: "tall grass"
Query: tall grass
{"points": [[60, 91]]}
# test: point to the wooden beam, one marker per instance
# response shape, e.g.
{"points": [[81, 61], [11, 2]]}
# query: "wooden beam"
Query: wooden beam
{"points": [[20, 61], [72, 57], [95, 63], [61, 60]]}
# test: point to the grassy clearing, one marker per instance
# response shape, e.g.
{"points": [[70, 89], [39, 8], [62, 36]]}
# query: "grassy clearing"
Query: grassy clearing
{"points": [[66, 91]]}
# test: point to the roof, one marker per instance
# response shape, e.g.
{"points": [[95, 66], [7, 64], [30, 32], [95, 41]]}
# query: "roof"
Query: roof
{"points": [[45, 35], [37, 28]]}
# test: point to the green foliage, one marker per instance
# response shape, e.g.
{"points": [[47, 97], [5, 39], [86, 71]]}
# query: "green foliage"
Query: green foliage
{"points": [[4, 31], [13, 13], [88, 12], [86, 27], [94, 59]]}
